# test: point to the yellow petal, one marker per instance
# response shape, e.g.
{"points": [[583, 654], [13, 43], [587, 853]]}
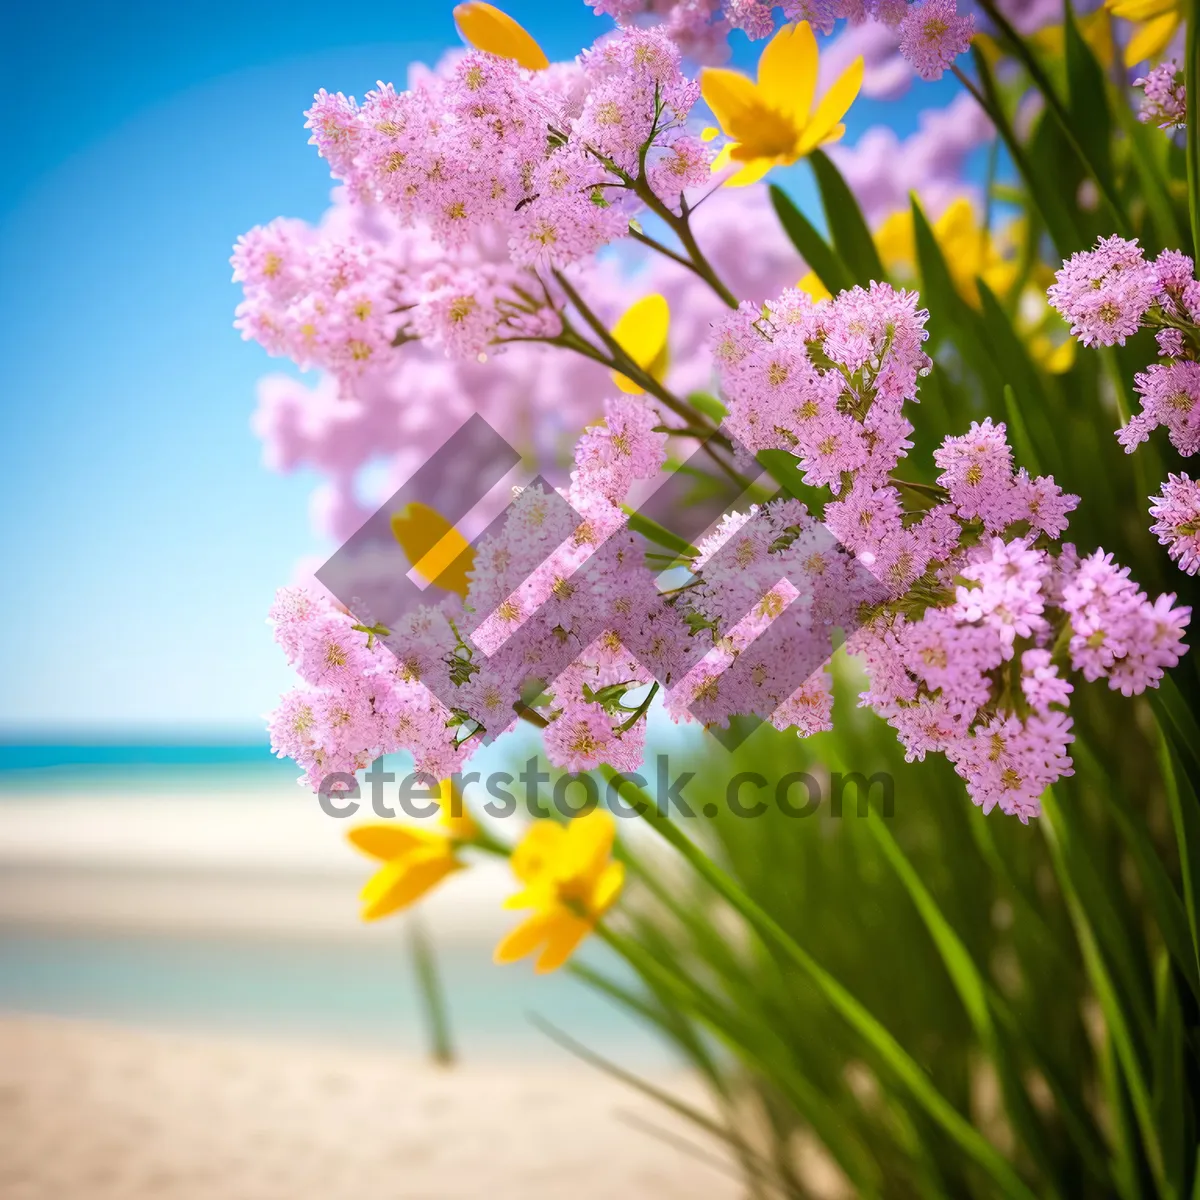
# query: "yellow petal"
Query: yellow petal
{"points": [[525, 938], [608, 888], [833, 106], [787, 71], [750, 172], [589, 843], [533, 854], [494, 32], [896, 240], [1061, 358], [438, 552], [708, 133], [398, 884], [565, 934], [387, 840], [732, 97], [641, 332], [1142, 10], [812, 285], [1151, 39], [460, 827]]}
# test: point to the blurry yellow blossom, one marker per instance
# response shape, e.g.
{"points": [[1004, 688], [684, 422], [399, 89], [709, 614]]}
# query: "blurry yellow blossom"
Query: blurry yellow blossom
{"points": [[433, 546], [812, 284], [968, 248], [773, 122], [570, 881], [494, 32], [642, 333], [1057, 359], [414, 860], [1157, 21], [1050, 41]]}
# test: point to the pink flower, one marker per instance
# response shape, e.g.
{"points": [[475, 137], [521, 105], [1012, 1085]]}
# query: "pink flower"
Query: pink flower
{"points": [[610, 457], [1176, 516], [1007, 591], [1105, 292], [977, 472], [1170, 395], [1165, 97], [933, 34], [1040, 681]]}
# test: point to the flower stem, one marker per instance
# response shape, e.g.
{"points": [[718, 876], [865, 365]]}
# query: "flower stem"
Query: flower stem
{"points": [[429, 983], [777, 939]]}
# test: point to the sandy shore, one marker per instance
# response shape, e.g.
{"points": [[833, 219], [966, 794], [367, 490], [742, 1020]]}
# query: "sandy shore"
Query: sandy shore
{"points": [[91, 1112]]}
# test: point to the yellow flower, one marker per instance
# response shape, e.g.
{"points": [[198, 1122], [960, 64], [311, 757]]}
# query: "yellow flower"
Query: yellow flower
{"points": [[772, 122], [1157, 21], [570, 882], [968, 248], [494, 32], [437, 551], [1050, 41], [811, 284], [414, 860], [642, 333]]}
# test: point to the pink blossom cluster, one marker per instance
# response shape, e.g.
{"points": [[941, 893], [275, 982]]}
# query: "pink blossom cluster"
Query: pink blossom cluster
{"points": [[422, 687], [967, 610], [359, 701], [551, 158], [323, 302], [985, 611], [932, 33], [1110, 293], [1106, 292], [1176, 516], [1164, 101]]}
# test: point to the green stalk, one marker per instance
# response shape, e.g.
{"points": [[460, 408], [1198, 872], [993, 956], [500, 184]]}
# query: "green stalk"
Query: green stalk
{"points": [[906, 1068], [433, 998], [1191, 83], [1041, 80]]}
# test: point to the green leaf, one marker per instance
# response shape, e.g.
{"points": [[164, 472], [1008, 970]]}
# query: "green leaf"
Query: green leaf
{"points": [[659, 534], [1170, 1088], [1146, 146], [816, 252], [890, 1052], [1167, 906], [1087, 101], [949, 315], [977, 999], [1116, 1017], [709, 405], [1050, 203], [1030, 398], [1183, 791], [1192, 87], [851, 236], [785, 470], [1027, 456]]}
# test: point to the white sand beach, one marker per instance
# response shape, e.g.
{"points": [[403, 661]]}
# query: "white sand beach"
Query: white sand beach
{"points": [[225, 1027], [96, 1112]]}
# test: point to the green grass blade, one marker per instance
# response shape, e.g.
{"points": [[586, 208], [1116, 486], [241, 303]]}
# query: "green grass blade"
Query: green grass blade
{"points": [[816, 252], [974, 991], [897, 1060], [1192, 87], [851, 236], [1116, 1018], [1087, 102]]}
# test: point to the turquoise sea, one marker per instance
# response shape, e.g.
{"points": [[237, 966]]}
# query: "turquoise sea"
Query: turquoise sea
{"points": [[341, 989]]}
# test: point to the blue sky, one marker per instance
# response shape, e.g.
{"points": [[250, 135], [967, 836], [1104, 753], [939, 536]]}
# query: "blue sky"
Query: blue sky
{"points": [[143, 538]]}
